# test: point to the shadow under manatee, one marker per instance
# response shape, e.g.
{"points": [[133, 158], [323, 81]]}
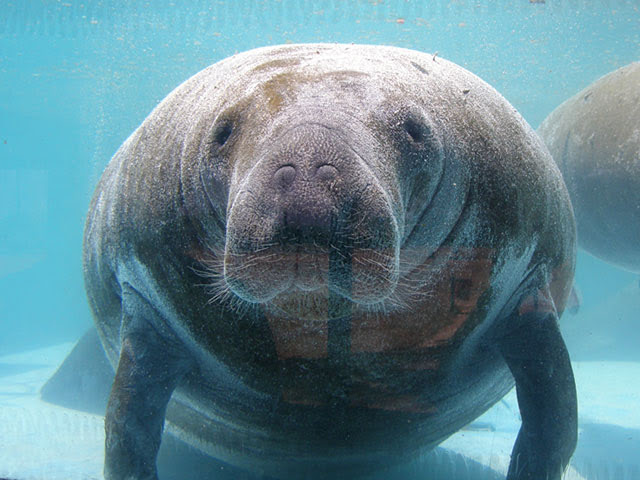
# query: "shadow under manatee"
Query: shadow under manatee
{"points": [[83, 382], [178, 461], [440, 464]]}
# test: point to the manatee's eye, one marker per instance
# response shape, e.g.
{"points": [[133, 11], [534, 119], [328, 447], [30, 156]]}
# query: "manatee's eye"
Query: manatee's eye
{"points": [[222, 132], [416, 130]]}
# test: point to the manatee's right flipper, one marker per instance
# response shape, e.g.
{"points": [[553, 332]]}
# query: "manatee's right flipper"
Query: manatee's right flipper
{"points": [[149, 368], [538, 359]]}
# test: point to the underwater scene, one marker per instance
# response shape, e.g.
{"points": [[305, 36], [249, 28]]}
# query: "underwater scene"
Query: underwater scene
{"points": [[289, 239]]}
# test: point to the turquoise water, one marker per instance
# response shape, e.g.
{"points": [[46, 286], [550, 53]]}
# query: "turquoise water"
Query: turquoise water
{"points": [[77, 77]]}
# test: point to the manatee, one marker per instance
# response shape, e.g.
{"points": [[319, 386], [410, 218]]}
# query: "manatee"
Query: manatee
{"points": [[594, 137], [317, 260]]}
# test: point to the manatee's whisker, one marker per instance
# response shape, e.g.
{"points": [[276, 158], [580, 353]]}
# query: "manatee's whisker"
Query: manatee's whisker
{"points": [[264, 247], [371, 261], [340, 252]]}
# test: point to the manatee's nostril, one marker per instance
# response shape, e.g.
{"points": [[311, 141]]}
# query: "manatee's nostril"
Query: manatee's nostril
{"points": [[326, 172], [284, 176]]}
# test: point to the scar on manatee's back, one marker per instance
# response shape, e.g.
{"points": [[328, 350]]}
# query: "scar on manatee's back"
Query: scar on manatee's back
{"points": [[420, 68]]}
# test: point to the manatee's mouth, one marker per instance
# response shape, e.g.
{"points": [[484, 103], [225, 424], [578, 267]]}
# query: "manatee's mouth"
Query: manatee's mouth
{"points": [[313, 305], [311, 282]]}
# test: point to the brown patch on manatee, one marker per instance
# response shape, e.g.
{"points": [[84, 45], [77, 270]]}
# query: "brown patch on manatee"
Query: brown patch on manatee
{"points": [[280, 88]]}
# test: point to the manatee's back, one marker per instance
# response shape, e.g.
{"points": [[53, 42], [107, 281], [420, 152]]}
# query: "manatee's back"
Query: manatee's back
{"points": [[594, 138]]}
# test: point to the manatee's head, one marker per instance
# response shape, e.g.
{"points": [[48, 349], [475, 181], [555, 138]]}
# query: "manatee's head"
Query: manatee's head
{"points": [[328, 175], [311, 216]]}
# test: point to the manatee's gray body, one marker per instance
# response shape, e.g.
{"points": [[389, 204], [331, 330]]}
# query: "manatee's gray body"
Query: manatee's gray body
{"points": [[594, 138], [333, 256]]}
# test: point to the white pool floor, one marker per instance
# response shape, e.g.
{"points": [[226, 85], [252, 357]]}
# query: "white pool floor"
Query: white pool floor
{"points": [[40, 441]]}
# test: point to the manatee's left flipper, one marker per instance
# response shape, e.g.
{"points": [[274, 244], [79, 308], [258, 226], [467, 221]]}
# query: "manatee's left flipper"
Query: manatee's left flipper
{"points": [[538, 359]]}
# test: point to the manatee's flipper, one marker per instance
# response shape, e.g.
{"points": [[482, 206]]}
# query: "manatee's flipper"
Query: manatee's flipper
{"points": [[539, 361], [83, 380], [149, 368]]}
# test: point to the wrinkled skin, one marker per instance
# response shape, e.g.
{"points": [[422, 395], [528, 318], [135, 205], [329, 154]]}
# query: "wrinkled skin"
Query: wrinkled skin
{"points": [[331, 258], [594, 137]]}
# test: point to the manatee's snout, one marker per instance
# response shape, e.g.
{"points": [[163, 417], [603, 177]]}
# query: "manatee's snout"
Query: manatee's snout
{"points": [[306, 195], [311, 216]]}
